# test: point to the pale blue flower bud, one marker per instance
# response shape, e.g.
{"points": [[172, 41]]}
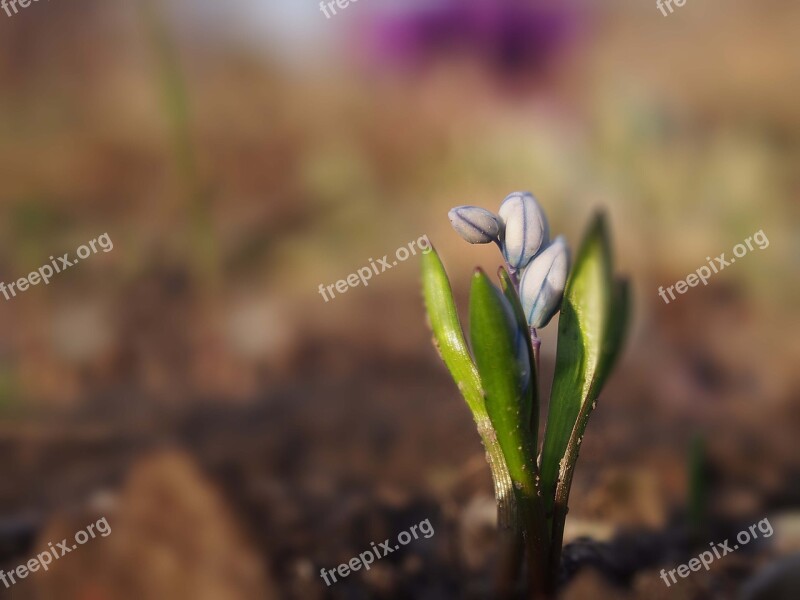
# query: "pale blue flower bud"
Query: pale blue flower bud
{"points": [[476, 225], [526, 228], [542, 284]]}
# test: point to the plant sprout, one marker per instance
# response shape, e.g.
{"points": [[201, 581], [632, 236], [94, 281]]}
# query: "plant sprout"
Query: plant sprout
{"points": [[498, 371]]}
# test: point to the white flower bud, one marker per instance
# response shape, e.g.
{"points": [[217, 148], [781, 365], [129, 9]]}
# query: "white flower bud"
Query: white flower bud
{"points": [[474, 224], [526, 228], [542, 284]]}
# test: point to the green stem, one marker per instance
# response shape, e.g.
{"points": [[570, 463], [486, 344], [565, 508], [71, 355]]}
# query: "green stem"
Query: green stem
{"points": [[534, 347], [512, 516], [560, 510], [511, 550], [563, 485], [520, 512], [537, 544], [507, 514]]}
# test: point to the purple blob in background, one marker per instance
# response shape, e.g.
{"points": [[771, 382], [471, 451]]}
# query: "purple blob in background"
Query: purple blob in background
{"points": [[510, 35]]}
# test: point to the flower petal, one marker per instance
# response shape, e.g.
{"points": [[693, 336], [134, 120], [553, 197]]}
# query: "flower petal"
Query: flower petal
{"points": [[543, 282], [476, 225], [526, 228]]}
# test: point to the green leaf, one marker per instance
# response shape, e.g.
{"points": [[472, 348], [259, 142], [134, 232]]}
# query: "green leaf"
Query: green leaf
{"points": [[501, 356], [617, 331], [448, 336], [591, 331], [449, 341], [510, 292], [583, 334]]}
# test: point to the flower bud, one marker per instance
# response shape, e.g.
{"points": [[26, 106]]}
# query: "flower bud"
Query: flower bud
{"points": [[542, 284], [526, 228], [474, 224]]}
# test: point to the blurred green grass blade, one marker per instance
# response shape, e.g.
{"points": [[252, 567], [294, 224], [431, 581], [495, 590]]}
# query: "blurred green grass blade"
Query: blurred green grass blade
{"points": [[448, 336], [176, 107], [498, 348], [175, 97], [510, 292], [582, 329], [698, 489]]}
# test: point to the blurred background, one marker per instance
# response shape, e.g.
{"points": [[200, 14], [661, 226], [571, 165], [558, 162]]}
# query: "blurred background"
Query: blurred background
{"points": [[239, 432]]}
